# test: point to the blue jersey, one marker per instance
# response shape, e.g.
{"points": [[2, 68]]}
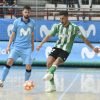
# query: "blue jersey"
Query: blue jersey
{"points": [[23, 33]]}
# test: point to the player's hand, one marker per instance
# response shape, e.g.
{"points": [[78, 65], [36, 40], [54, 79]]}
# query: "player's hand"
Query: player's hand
{"points": [[99, 50], [38, 47], [96, 50], [7, 50]]}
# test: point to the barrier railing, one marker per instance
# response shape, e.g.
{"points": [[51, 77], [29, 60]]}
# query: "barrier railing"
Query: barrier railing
{"points": [[40, 12]]}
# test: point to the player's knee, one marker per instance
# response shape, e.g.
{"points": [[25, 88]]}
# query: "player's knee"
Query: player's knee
{"points": [[10, 62], [48, 65], [28, 67]]}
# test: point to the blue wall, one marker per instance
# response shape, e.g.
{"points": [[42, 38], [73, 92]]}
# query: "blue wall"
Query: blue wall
{"points": [[80, 53], [90, 29]]}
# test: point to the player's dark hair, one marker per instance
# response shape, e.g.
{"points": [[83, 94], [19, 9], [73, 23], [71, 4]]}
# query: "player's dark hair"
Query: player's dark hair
{"points": [[27, 7], [65, 13]]}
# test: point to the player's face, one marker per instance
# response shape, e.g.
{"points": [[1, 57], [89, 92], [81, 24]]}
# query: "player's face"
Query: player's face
{"points": [[64, 19], [26, 13]]}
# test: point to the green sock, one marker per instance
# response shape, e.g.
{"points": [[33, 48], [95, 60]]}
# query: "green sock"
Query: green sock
{"points": [[52, 69]]}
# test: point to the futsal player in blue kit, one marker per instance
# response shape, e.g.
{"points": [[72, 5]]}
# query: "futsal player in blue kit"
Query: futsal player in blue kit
{"points": [[22, 43]]}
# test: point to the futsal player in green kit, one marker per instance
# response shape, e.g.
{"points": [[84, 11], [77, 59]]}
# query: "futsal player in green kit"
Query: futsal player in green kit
{"points": [[66, 32]]}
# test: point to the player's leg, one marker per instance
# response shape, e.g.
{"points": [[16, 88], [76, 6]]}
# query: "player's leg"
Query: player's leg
{"points": [[62, 56], [54, 66], [50, 75], [26, 56], [5, 71], [51, 59], [51, 67], [28, 72], [11, 58], [50, 85]]}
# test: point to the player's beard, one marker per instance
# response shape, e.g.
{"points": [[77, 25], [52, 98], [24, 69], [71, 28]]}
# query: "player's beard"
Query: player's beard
{"points": [[26, 17]]}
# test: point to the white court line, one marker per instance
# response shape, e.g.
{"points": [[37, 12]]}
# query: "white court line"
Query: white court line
{"points": [[67, 89]]}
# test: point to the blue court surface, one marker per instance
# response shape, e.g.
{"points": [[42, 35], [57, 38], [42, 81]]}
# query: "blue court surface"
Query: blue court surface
{"points": [[71, 84]]}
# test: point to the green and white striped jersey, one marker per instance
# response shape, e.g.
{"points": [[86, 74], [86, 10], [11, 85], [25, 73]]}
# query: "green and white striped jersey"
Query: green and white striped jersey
{"points": [[66, 35]]}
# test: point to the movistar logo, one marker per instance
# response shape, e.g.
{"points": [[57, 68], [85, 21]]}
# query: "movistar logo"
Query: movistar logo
{"points": [[24, 32]]}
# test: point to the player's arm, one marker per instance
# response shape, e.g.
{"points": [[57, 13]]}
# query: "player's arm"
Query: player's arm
{"points": [[32, 41], [43, 41], [86, 40], [10, 41], [52, 33], [89, 44], [14, 30]]}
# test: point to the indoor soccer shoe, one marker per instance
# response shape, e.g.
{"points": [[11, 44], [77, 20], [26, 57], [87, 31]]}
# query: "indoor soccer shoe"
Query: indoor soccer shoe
{"points": [[48, 76], [1, 83], [50, 86]]}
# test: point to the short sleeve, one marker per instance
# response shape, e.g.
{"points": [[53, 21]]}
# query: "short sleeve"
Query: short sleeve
{"points": [[54, 30], [78, 31], [14, 26]]}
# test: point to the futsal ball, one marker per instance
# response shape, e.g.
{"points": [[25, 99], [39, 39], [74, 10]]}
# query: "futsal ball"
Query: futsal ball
{"points": [[29, 85]]}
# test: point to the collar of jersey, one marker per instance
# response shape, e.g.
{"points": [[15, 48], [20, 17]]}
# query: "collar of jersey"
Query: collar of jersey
{"points": [[67, 25], [24, 21]]}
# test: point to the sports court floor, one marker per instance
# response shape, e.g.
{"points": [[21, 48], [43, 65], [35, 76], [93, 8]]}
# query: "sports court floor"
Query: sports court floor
{"points": [[71, 84]]}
